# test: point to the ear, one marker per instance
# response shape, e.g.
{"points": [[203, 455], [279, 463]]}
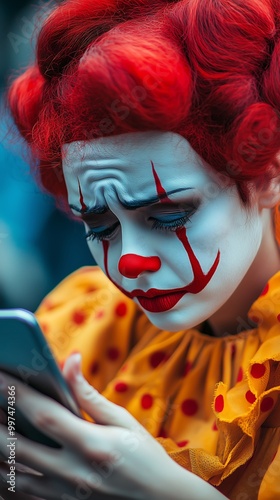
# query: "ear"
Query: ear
{"points": [[269, 195]]}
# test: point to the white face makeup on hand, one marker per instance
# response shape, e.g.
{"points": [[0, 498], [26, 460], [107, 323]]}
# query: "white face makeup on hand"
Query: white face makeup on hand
{"points": [[153, 227]]}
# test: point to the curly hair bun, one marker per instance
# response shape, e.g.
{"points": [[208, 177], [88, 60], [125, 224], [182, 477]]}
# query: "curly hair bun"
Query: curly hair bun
{"points": [[206, 69]]}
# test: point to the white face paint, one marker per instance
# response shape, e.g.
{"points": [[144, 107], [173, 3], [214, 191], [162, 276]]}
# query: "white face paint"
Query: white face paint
{"points": [[160, 224]]}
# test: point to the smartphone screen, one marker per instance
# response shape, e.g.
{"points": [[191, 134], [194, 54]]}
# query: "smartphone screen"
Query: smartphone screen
{"points": [[25, 354]]}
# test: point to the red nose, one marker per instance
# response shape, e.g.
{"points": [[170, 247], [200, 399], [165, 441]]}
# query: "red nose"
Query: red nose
{"points": [[131, 265]]}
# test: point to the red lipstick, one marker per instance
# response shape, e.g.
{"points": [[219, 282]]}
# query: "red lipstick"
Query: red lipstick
{"points": [[160, 303]]}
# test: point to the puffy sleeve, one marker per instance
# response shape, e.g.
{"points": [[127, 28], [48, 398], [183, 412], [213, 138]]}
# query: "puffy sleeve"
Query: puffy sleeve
{"points": [[86, 313]]}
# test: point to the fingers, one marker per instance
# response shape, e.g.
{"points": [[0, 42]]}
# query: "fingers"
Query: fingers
{"points": [[29, 487], [43, 412], [39, 486], [64, 474], [78, 437], [34, 455], [7, 495], [75, 434], [90, 400], [4, 491]]}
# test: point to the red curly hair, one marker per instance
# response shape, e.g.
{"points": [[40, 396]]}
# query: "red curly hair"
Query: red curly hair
{"points": [[206, 69]]}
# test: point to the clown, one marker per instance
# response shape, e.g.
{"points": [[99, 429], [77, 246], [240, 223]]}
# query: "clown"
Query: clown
{"points": [[140, 235], [157, 125]]}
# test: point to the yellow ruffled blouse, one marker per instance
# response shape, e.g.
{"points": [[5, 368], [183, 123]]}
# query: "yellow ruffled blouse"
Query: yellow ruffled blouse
{"points": [[212, 403]]}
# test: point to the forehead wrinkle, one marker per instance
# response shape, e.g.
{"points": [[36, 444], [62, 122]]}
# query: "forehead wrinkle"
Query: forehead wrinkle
{"points": [[123, 147], [97, 170], [101, 169], [110, 173], [124, 154], [131, 204], [105, 165], [123, 157], [86, 158]]}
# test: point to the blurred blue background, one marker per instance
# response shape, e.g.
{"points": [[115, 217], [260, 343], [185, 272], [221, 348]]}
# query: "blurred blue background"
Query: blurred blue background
{"points": [[39, 245]]}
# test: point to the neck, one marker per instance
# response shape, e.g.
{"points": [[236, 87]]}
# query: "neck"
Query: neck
{"points": [[232, 316]]}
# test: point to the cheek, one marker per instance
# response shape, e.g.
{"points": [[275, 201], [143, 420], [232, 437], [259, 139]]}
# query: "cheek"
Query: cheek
{"points": [[222, 226], [239, 246], [97, 252], [106, 255]]}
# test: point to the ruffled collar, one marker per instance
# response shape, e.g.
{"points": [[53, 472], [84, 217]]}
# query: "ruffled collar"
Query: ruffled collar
{"points": [[265, 311]]}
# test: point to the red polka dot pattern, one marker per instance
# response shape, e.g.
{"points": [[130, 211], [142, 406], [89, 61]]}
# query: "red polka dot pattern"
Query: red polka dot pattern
{"points": [[99, 314], [251, 398], [181, 444], [233, 351], [265, 290], [258, 370], [189, 407], [78, 317], [240, 374], [121, 387], [147, 401], [112, 353], [121, 309], [278, 317], [48, 305], [219, 403], [214, 427], [45, 328], [255, 319], [157, 358], [267, 403]]}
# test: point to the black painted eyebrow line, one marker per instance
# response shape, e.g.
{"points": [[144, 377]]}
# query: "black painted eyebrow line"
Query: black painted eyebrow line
{"points": [[129, 205], [133, 205], [95, 210]]}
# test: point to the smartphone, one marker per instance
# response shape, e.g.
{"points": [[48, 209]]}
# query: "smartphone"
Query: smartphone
{"points": [[25, 354]]}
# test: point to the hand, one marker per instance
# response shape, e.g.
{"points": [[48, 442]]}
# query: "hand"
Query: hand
{"points": [[112, 458]]}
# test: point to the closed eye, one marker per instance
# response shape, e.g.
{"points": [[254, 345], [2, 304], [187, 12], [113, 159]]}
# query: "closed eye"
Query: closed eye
{"points": [[166, 222], [102, 233], [171, 222]]}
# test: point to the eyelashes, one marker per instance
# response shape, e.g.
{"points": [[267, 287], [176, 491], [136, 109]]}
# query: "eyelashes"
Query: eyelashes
{"points": [[101, 235], [172, 225], [169, 223]]}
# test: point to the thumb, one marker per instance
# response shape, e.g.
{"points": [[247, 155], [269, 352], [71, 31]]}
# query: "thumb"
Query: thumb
{"points": [[90, 400]]}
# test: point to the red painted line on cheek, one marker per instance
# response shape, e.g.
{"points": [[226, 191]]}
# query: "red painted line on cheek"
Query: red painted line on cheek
{"points": [[105, 244], [200, 279], [83, 205], [182, 236]]}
